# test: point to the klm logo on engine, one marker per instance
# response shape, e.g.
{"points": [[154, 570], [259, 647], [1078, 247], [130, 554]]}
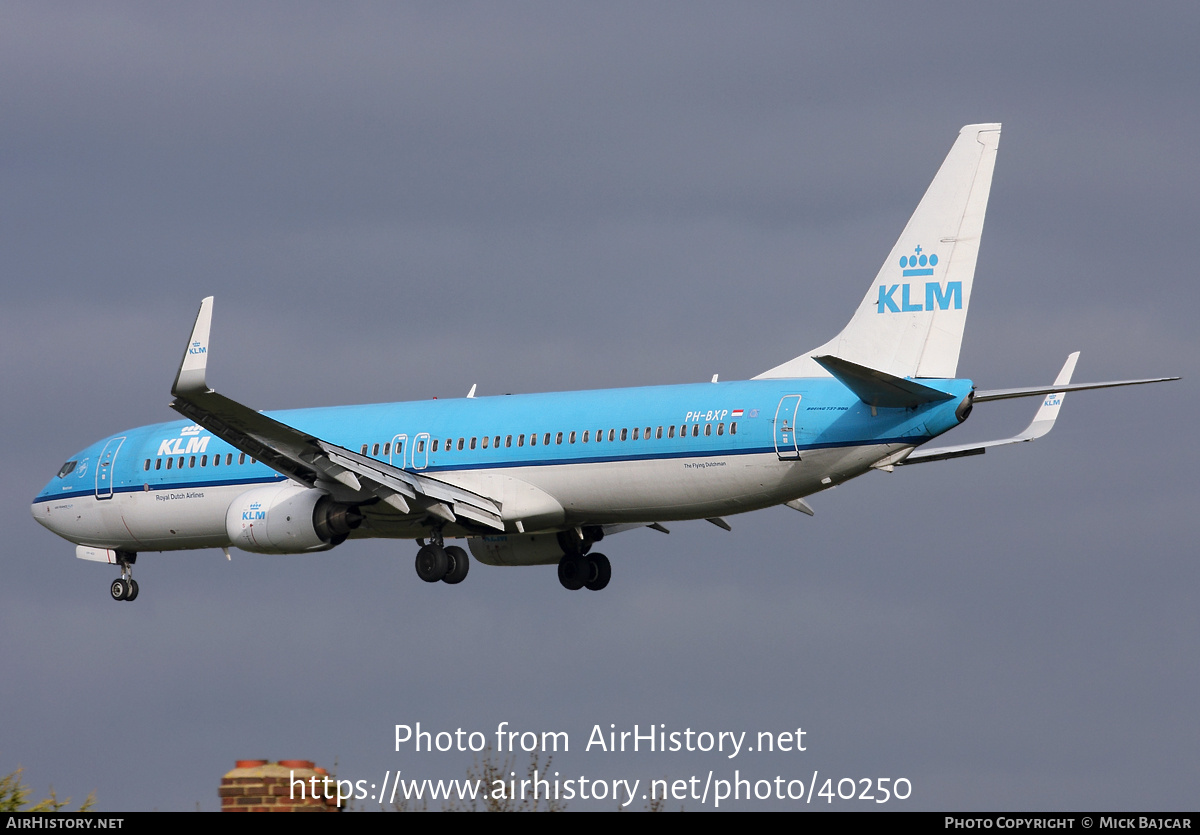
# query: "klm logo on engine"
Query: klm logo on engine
{"points": [[255, 513], [933, 296]]}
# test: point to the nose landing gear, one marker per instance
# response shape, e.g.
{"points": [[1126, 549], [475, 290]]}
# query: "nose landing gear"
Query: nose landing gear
{"points": [[125, 587]]}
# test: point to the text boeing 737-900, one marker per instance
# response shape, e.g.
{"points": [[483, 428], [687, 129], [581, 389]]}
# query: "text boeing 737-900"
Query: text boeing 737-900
{"points": [[541, 478]]}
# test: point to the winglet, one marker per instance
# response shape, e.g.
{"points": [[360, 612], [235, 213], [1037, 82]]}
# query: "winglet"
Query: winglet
{"points": [[1043, 421], [190, 379]]}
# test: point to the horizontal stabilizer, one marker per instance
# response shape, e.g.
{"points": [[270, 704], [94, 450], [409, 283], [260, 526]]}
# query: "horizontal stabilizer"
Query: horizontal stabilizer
{"points": [[875, 388], [1043, 422], [1037, 391]]}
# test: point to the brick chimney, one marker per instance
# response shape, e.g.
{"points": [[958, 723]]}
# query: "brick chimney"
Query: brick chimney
{"points": [[285, 786]]}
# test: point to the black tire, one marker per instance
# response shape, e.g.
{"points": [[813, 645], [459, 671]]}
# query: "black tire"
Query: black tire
{"points": [[460, 564], [118, 589], [573, 571], [600, 572], [432, 563], [131, 595]]}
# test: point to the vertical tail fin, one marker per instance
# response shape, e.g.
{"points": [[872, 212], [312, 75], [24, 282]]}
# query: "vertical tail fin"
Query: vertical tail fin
{"points": [[910, 324]]}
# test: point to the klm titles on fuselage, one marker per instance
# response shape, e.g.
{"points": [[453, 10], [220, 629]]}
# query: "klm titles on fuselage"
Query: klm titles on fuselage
{"points": [[187, 443], [936, 297]]}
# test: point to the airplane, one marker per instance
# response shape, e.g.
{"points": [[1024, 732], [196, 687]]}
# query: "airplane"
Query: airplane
{"points": [[540, 479]]}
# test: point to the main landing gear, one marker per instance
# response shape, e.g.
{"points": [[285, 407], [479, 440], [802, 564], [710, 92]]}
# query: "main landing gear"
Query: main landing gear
{"points": [[579, 568], [125, 587], [437, 562], [578, 571]]}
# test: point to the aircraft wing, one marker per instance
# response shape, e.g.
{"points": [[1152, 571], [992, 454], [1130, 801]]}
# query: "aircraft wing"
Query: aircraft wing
{"points": [[308, 459]]}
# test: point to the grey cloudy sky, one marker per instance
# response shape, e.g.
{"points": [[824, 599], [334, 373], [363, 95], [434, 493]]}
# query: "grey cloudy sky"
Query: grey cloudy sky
{"points": [[396, 201]]}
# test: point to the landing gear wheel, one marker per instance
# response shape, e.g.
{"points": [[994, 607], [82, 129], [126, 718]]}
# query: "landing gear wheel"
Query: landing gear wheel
{"points": [[459, 565], [600, 571], [573, 571], [131, 595], [432, 563], [118, 589]]}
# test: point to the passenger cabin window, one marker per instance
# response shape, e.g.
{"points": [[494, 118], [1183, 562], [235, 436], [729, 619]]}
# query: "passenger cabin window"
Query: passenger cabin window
{"points": [[696, 431], [375, 449], [147, 467], [533, 439], [170, 463], [496, 442], [242, 457], [387, 448], [658, 434], [520, 440], [558, 438], [612, 434], [158, 463], [572, 439], [364, 450], [635, 433], [671, 431], [508, 440], [472, 443], [733, 428], [461, 443], [546, 440], [420, 446], [720, 429], [485, 441]]}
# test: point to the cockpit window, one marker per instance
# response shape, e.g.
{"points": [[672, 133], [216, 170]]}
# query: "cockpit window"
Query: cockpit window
{"points": [[66, 468]]}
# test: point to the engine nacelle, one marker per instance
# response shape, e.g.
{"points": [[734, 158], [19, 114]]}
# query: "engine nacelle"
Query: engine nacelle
{"points": [[288, 519]]}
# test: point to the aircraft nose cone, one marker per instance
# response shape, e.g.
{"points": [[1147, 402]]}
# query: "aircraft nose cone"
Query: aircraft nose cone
{"points": [[41, 512]]}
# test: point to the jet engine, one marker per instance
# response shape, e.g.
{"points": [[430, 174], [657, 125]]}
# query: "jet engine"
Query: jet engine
{"points": [[288, 519]]}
